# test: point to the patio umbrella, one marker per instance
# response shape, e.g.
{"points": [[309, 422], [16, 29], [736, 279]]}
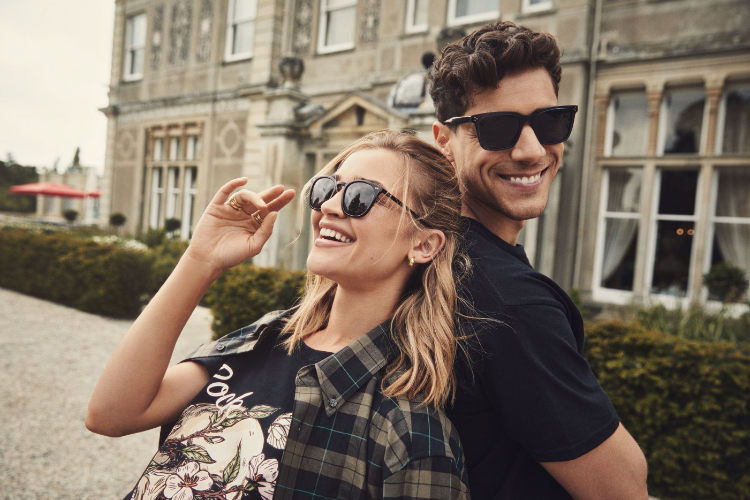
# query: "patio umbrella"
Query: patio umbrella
{"points": [[94, 194], [48, 189]]}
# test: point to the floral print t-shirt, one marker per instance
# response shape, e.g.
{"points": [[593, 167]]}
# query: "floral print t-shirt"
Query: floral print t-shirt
{"points": [[228, 442]]}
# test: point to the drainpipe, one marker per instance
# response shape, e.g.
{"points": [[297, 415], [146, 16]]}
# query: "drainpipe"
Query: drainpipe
{"points": [[589, 148]]}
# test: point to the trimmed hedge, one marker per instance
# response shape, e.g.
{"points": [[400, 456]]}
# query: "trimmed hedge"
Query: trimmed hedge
{"points": [[245, 293], [98, 278], [686, 402]]}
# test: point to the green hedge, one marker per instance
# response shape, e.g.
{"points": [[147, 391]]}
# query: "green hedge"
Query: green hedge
{"points": [[245, 293], [99, 278], [686, 402]]}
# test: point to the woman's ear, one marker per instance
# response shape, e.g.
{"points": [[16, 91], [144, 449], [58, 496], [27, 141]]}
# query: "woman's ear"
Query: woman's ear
{"points": [[428, 243]]}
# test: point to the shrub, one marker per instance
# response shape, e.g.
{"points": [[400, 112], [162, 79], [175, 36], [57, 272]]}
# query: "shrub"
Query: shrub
{"points": [[686, 404], [726, 282], [172, 225], [70, 215], [153, 237], [696, 323], [245, 293], [117, 219], [99, 278]]}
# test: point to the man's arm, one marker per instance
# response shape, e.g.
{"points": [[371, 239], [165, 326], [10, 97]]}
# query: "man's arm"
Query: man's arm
{"points": [[614, 470]]}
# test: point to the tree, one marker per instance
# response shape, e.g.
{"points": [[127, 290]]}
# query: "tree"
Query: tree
{"points": [[12, 174], [70, 215], [172, 225], [76, 165], [116, 220]]}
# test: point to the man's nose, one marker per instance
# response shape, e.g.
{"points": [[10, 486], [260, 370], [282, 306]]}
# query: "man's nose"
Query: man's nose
{"points": [[527, 149]]}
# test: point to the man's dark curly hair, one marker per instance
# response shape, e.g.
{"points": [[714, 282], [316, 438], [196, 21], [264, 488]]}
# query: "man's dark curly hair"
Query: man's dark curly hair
{"points": [[480, 60]]}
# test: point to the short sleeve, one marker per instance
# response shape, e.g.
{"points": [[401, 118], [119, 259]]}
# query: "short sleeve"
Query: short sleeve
{"points": [[426, 478], [538, 381], [211, 363]]}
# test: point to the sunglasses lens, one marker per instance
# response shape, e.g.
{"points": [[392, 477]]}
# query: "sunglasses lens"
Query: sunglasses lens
{"points": [[358, 198], [498, 132], [553, 126], [322, 190]]}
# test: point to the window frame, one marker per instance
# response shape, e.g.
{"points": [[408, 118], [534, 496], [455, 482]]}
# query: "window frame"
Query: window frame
{"points": [[602, 293], [663, 124], [410, 11], [654, 217], [323, 24], [528, 8], [128, 49], [470, 19], [229, 56]]}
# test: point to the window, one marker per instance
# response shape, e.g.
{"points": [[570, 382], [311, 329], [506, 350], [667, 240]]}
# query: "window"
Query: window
{"points": [[156, 195], [174, 149], [536, 5], [681, 121], [240, 29], [416, 16], [674, 231], [135, 47], [193, 147], [627, 125], [173, 191], [731, 220], [337, 22], [188, 202], [158, 154], [471, 11], [733, 134], [621, 193]]}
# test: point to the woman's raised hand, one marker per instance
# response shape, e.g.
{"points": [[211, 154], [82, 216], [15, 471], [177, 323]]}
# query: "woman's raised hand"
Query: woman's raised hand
{"points": [[226, 236]]}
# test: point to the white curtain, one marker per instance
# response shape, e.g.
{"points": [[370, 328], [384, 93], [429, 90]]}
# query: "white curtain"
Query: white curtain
{"points": [[618, 238], [734, 239]]}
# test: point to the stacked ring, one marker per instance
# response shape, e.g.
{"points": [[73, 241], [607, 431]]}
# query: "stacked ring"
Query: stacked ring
{"points": [[257, 217], [232, 202]]}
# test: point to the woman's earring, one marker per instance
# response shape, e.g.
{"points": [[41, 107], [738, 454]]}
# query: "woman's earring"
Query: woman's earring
{"points": [[411, 262]]}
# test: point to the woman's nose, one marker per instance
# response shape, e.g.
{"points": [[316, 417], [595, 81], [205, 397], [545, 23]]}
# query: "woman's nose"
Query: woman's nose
{"points": [[332, 206]]}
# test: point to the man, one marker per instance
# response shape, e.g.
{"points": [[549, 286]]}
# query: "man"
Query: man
{"points": [[534, 422]]}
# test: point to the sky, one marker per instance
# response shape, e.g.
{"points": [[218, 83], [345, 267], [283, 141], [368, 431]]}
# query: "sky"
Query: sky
{"points": [[55, 60]]}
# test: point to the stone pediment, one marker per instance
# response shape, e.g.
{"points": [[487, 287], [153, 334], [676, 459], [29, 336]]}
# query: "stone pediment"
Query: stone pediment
{"points": [[356, 115]]}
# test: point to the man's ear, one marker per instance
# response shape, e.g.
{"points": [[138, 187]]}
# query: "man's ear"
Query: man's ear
{"points": [[443, 136], [427, 245]]}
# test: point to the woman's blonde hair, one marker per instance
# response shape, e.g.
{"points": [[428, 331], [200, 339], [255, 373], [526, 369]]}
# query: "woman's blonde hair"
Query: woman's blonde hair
{"points": [[423, 326]]}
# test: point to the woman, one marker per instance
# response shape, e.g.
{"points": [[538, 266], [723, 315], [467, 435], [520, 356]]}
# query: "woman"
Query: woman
{"points": [[339, 397]]}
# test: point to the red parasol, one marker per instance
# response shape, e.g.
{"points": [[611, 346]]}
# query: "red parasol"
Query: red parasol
{"points": [[94, 194], [49, 189]]}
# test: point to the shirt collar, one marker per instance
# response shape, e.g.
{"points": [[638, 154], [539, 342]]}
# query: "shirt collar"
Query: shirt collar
{"points": [[343, 373]]}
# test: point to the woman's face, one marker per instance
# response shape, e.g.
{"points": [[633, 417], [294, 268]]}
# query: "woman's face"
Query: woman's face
{"points": [[369, 250]]}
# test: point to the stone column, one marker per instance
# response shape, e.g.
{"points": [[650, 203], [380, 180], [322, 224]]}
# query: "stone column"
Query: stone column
{"points": [[654, 95], [282, 158], [714, 91], [601, 103]]}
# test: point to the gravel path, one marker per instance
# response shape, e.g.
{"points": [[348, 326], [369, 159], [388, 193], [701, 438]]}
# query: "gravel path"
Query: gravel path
{"points": [[50, 359]]}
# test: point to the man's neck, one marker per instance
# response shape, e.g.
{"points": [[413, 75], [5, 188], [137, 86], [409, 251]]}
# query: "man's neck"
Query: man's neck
{"points": [[501, 226]]}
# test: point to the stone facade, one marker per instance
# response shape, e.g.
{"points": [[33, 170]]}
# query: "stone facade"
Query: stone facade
{"points": [[274, 94]]}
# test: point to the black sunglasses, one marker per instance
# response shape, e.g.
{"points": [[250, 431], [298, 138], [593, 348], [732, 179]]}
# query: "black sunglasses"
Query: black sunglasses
{"points": [[501, 130], [357, 199]]}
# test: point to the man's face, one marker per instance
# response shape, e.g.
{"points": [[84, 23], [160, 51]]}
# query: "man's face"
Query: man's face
{"points": [[512, 184]]}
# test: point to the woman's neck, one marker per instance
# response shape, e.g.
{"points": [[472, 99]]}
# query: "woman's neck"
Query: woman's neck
{"points": [[353, 314]]}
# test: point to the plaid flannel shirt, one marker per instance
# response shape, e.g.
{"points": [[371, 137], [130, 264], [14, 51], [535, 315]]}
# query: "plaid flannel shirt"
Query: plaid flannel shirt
{"points": [[348, 440]]}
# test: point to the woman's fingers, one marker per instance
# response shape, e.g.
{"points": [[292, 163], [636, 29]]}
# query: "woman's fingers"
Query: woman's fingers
{"points": [[223, 194], [264, 232]]}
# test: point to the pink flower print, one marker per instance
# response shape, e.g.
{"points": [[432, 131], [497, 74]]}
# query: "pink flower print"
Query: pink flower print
{"points": [[187, 478], [263, 475]]}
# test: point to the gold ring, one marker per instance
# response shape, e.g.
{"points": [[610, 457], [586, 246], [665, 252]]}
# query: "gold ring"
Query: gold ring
{"points": [[257, 217], [232, 202]]}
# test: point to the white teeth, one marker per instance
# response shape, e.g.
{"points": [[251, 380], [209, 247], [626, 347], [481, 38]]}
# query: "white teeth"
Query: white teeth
{"points": [[526, 180], [330, 233]]}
